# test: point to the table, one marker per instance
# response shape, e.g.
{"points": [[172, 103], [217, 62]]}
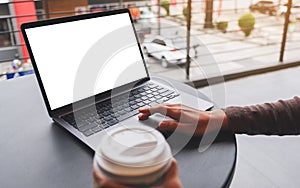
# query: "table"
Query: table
{"points": [[36, 152]]}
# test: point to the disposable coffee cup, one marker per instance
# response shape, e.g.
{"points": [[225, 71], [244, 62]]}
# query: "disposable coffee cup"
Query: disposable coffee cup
{"points": [[136, 156]]}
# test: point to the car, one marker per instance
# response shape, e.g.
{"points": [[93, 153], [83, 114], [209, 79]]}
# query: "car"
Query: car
{"points": [[265, 7], [295, 10], [168, 50], [146, 15]]}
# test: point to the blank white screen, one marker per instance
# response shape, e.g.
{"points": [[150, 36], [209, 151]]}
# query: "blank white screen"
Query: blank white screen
{"points": [[60, 49]]}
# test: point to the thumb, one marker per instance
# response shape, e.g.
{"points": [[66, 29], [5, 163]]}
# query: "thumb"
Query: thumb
{"points": [[173, 125], [168, 125], [173, 170], [172, 178]]}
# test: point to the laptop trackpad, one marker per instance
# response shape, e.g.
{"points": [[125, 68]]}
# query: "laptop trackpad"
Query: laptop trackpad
{"points": [[152, 121]]}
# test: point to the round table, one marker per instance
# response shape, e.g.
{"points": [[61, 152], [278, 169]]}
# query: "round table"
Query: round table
{"points": [[35, 152], [213, 167]]}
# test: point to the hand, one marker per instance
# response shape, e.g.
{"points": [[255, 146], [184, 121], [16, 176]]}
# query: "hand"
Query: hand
{"points": [[187, 119], [171, 179], [101, 181]]}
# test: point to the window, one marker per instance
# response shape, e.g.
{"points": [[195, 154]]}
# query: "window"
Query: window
{"points": [[160, 42], [6, 37], [40, 14]]}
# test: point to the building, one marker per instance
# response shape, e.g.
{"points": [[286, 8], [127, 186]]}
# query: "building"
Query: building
{"points": [[15, 12], [11, 17]]}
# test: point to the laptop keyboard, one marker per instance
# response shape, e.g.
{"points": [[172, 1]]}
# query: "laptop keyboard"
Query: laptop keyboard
{"points": [[104, 114]]}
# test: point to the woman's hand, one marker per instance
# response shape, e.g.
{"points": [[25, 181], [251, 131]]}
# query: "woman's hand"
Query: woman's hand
{"points": [[171, 179], [187, 119], [101, 181]]}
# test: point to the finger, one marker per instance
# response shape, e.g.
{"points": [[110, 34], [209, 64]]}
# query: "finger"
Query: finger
{"points": [[182, 106], [97, 175], [173, 170], [174, 125], [172, 110], [168, 125], [98, 180], [143, 116], [187, 128], [150, 109], [172, 177], [161, 108], [144, 110], [167, 110], [144, 113], [101, 181]]}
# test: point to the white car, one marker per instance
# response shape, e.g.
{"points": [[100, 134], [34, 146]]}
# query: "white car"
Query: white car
{"points": [[169, 50], [146, 15]]}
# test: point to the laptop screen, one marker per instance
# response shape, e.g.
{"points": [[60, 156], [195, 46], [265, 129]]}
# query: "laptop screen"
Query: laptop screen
{"points": [[82, 58]]}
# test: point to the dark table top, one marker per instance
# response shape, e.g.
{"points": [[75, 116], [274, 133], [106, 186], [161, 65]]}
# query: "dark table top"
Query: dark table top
{"points": [[36, 152]]}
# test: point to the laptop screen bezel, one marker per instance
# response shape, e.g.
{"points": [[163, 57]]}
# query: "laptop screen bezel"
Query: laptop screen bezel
{"points": [[69, 107]]}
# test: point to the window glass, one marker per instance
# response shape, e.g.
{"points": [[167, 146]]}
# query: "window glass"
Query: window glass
{"points": [[5, 39], [158, 41]]}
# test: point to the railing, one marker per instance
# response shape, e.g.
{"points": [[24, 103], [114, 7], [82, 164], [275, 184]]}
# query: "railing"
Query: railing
{"points": [[269, 31]]}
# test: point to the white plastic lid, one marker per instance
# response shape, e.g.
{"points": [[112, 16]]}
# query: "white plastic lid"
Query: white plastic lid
{"points": [[137, 146]]}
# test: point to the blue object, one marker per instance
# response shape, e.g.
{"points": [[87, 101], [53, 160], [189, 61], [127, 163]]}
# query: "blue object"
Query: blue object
{"points": [[10, 75], [22, 73]]}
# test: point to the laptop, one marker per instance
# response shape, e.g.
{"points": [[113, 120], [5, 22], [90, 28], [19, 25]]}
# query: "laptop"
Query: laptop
{"points": [[92, 74]]}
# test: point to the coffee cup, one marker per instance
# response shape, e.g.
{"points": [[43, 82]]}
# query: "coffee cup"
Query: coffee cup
{"points": [[133, 155]]}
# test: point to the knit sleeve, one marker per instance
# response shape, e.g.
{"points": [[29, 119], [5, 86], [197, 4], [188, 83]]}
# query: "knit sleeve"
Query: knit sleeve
{"points": [[279, 118]]}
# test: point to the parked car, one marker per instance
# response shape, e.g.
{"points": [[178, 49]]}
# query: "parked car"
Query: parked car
{"points": [[295, 10], [265, 7], [146, 15], [168, 50]]}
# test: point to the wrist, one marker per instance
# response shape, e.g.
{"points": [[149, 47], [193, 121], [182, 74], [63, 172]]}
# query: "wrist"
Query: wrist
{"points": [[225, 121], [220, 117]]}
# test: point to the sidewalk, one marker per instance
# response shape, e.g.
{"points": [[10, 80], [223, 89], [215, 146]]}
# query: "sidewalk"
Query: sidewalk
{"points": [[231, 53]]}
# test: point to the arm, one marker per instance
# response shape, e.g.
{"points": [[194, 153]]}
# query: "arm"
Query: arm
{"points": [[279, 118], [187, 119]]}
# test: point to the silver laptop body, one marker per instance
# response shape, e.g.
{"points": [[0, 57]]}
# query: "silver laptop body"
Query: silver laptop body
{"points": [[86, 63]]}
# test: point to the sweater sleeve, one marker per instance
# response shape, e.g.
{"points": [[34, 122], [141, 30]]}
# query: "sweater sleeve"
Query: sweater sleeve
{"points": [[279, 118]]}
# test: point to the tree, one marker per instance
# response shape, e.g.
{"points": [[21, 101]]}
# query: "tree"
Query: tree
{"points": [[185, 12], [246, 23], [165, 4], [209, 14]]}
